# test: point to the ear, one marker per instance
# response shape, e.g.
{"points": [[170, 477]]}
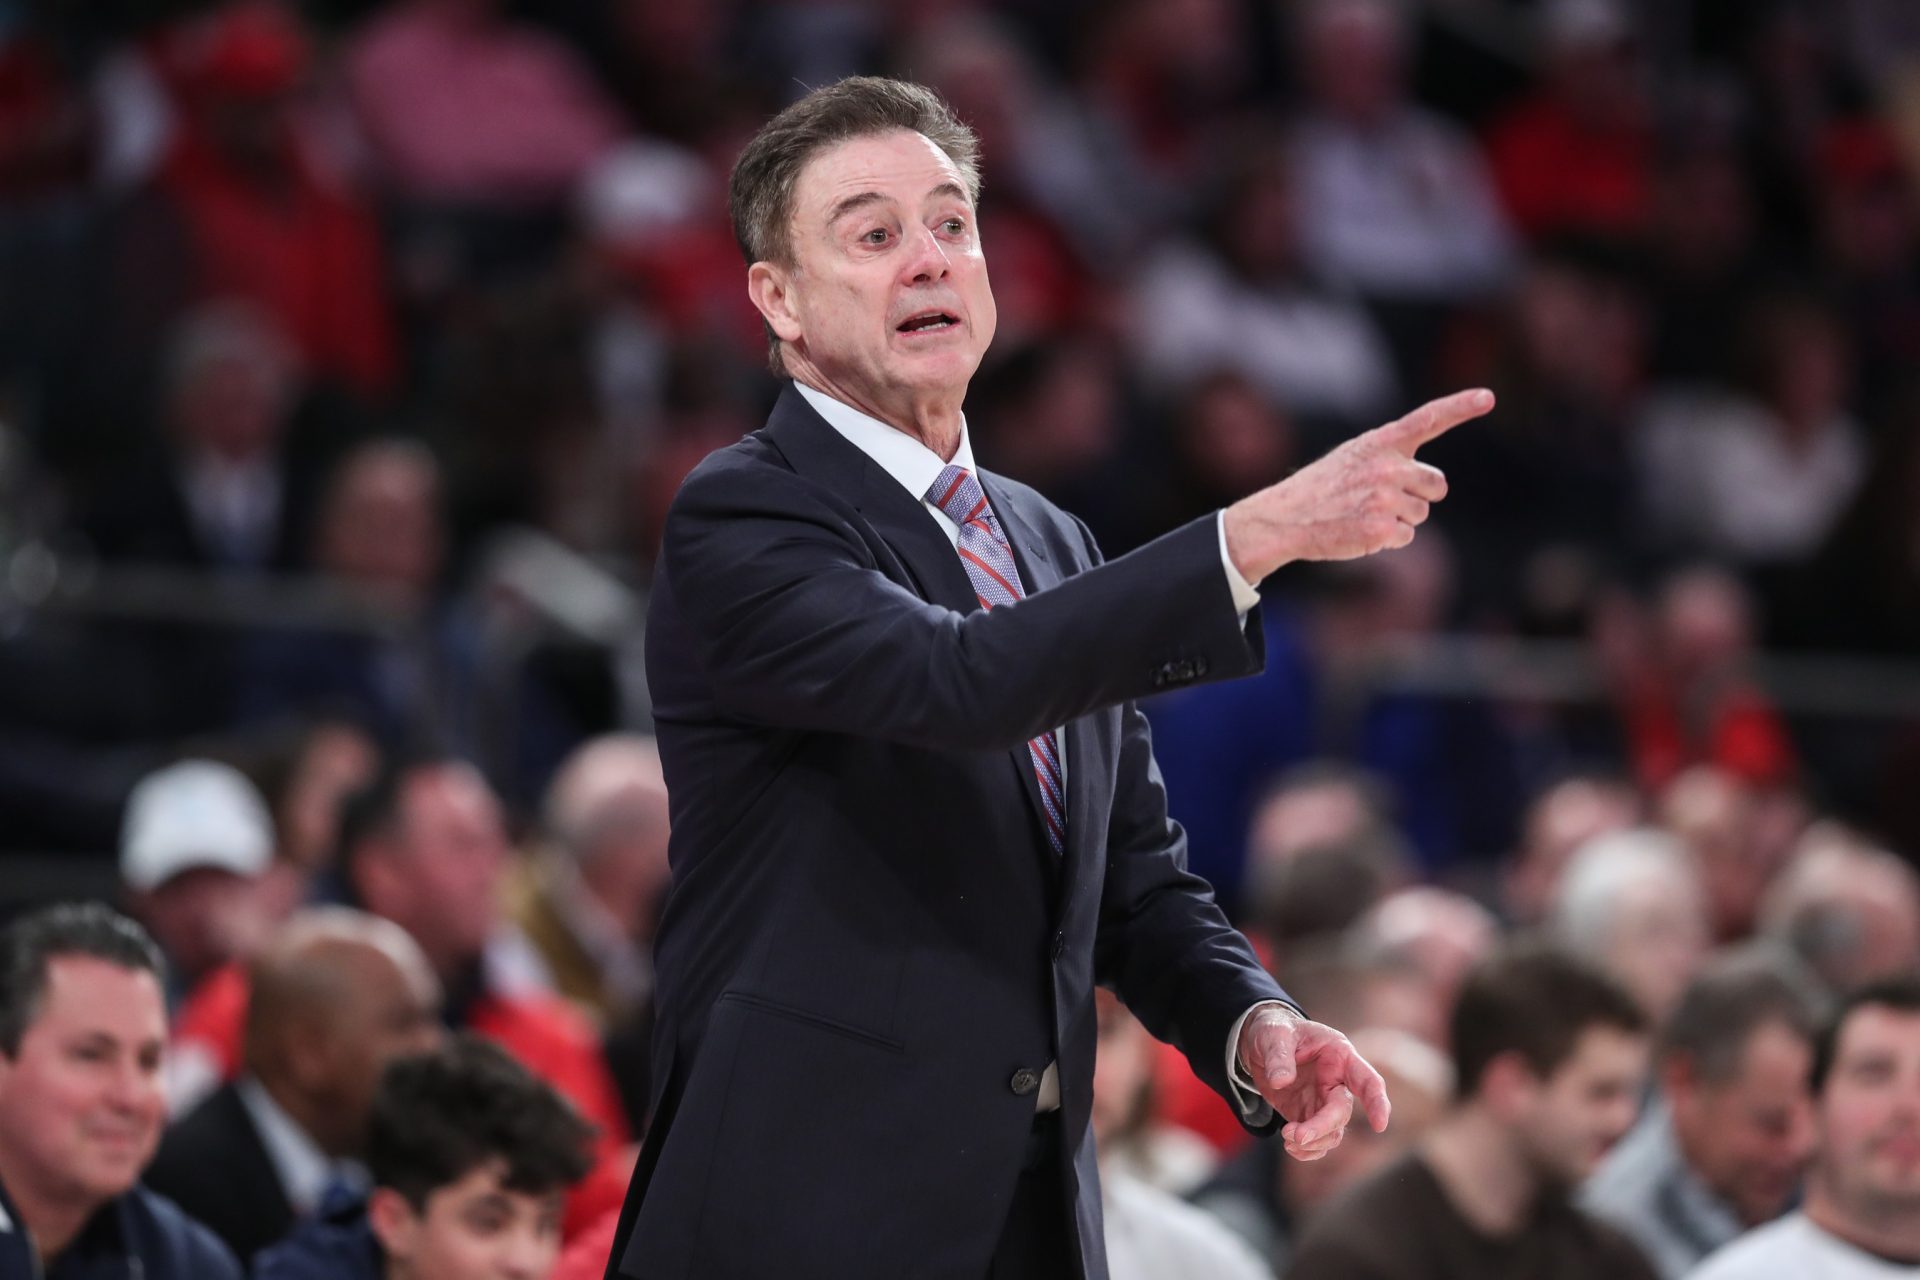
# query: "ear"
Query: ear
{"points": [[1508, 1085], [771, 288], [393, 1221], [1678, 1080]]}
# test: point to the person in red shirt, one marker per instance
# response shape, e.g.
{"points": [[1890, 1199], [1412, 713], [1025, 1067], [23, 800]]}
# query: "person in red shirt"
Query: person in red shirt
{"points": [[259, 216]]}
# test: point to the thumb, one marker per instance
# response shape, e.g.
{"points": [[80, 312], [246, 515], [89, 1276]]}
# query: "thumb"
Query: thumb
{"points": [[1277, 1052]]}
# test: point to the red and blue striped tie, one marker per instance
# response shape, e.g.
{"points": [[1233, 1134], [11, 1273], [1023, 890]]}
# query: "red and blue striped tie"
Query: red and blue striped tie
{"points": [[988, 560]]}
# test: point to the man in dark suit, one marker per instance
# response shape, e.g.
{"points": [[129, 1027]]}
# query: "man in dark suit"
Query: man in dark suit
{"points": [[915, 814], [338, 995]]}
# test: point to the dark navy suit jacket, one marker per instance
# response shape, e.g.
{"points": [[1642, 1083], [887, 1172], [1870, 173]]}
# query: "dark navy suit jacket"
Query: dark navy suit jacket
{"points": [[870, 951]]}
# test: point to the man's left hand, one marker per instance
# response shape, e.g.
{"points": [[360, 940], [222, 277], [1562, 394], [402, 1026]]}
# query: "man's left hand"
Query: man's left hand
{"points": [[1311, 1075]]}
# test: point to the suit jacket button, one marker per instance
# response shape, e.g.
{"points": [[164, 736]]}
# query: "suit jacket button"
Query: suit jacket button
{"points": [[1024, 1081]]}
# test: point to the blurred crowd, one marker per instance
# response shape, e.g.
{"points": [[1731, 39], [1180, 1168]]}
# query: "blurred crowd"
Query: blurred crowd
{"points": [[304, 309]]}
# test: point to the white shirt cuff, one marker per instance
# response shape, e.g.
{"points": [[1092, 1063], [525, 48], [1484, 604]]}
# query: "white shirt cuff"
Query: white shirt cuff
{"points": [[1244, 595], [1252, 1106]]}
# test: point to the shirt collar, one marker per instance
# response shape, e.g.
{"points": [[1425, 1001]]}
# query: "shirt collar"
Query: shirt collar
{"points": [[898, 454], [304, 1169]]}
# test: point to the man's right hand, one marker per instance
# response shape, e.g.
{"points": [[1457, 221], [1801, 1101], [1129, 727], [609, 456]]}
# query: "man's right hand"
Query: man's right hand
{"points": [[1367, 495]]}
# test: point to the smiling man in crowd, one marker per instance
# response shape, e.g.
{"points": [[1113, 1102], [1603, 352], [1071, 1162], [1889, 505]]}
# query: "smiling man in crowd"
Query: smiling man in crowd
{"points": [[1861, 1219], [914, 809], [82, 1028]]}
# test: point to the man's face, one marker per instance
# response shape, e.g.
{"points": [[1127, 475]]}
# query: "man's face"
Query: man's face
{"points": [[1748, 1138], [1576, 1114], [473, 1229], [81, 1107], [1868, 1151], [203, 918], [887, 296], [452, 853], [395, 1012]]}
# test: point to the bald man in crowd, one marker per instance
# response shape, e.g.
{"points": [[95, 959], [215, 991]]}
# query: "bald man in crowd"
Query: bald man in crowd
{"points": [[337, 995]]}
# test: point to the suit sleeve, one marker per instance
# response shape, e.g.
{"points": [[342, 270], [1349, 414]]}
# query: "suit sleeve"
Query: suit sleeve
{"points": [[1163, 944], [797, 626]]}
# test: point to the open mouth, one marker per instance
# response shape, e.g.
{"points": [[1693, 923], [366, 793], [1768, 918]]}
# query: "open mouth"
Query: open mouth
{"points": [[928, 322]]}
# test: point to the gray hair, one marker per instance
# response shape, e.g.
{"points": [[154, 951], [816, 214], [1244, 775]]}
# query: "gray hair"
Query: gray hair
{"points": [[760, 192], [1602, 869], [1732, 997]]}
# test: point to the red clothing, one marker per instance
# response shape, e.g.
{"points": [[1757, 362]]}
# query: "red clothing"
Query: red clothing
{"points": [[295, 244], [1555, 175], [1740, 732], [586, 1258]]}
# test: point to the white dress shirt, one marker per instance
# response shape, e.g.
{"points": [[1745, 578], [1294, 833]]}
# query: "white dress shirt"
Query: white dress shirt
{"points": [[305, 1170], [916, 467]]}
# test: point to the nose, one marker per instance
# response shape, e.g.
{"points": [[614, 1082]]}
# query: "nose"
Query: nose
{"points": [[927, 260], [529, 1259], [135, 1089]]}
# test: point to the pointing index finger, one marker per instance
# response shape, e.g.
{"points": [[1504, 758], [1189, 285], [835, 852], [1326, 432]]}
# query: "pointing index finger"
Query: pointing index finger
{"points": [[1435, 418]]}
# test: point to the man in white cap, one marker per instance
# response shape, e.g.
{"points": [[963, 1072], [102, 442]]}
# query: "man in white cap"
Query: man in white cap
{"points": [[194, 842]]}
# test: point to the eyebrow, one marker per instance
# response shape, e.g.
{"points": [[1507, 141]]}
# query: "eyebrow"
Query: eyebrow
{"points": [[861, 200]]}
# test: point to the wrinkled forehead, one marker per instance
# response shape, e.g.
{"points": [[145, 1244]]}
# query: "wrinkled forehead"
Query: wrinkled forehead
{"points": [[897, 166]]}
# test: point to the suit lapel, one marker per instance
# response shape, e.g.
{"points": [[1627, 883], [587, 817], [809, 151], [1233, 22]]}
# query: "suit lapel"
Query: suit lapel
{"points": [[814, 449]]}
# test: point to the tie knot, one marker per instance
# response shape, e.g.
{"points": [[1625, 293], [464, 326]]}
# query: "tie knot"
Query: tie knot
{"points": [[959, 495]]}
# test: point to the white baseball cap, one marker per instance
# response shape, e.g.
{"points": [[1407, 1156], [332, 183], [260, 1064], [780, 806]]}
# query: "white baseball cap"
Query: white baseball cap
{"points": [[198, 813]]}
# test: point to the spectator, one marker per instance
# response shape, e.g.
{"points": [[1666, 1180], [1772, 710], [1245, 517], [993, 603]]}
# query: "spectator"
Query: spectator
{"points": [[588, 904], [1761, 477], [1567, 348], [82, 1030], [380, 538], [463, 106], [1269, 1203], [1438, 933], [1722, 1147], [1849, 909], [1861, 1216], [1723, 819], [1133, 1142], [1576, 154], [1394, 201], [223, 492], [335, 997], [1245, 298], [1150, 1233], [245, 205], [306, 776], [1685, 696], [194, 845], [1548, 1058], [1560, 820], [470, 1157], [425, 846], [1632, 903]]}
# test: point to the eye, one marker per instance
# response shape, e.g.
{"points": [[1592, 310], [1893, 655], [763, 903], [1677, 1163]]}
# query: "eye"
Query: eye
{"points": [[955, 226], [876, 236]]}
